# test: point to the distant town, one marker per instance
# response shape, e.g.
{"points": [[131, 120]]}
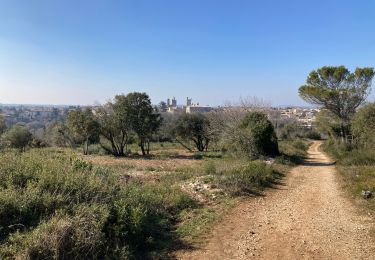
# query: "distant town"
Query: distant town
{"points": [[38, 116], [305, 116]]}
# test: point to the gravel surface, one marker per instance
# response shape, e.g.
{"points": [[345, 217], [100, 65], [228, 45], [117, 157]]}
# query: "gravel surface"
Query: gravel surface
{"points": [[306, 217]]}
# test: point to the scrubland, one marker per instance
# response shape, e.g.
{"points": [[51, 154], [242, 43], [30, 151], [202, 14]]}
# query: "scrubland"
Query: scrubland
{"points": [[58, 203]]}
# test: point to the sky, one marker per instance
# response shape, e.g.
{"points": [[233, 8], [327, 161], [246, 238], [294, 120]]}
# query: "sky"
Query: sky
{"points": [[214, 51]]}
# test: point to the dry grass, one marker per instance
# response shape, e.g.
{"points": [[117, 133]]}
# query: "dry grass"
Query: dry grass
{"points": [[167, 167], [144, 164], [179, 159]]}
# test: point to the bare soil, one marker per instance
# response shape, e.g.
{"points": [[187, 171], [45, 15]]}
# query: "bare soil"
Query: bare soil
{"points": [[307, 217]]}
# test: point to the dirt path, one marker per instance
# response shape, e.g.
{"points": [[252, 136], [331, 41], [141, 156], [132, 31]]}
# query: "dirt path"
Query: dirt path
{"points": [[306, 218]]}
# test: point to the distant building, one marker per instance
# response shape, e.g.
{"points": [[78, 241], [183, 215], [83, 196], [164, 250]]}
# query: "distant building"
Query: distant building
{"points": [[198, 109], [190, 107], [172, 106], [174, 102], [175, 109]]}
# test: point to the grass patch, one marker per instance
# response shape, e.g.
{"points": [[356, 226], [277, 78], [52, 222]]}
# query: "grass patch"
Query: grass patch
{"points": [[293, 152], [357, 169], [197, 223], [249, 179]]}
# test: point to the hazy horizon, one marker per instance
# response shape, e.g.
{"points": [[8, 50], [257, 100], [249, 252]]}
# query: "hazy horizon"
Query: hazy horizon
{"points": [[64, 52]]}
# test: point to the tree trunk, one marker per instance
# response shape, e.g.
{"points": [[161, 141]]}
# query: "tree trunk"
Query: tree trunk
{"points": [[148, 147], [86, 146], [206, 145], [185, 146], [200, 145], [343, 133], [142, 145], [115, 152], [124, 140]]}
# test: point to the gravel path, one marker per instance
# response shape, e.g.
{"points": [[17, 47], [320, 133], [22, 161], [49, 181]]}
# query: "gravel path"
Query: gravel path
{"points": [[307, 217]]}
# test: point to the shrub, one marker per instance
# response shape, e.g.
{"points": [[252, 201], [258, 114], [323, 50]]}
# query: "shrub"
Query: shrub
{"points": [[62, 236], [57, 206], [363, 125], [292, 151], [248, 179], [197, 156], [255, 136], [312, 134], [355, 157], [358, 157], [300, 145], [18, 137]]}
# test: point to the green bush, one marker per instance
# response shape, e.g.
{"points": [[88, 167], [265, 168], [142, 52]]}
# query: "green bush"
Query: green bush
{"points": [[300, 145], [62, 236], [18, 137], [350, 157], [197, 156], [249, 179], [363, 125], [292, 151], [55, 206], [312, 134], [254, 136]]}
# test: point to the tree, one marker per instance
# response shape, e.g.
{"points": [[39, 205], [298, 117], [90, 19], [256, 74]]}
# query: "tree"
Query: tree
{"points": [[83, 125], [127, 114], [163, 106], [194, 127], [141, 117], [338, 90], [166, 132], [18, 137], [363, 125], [113, 127], [255, 136]]}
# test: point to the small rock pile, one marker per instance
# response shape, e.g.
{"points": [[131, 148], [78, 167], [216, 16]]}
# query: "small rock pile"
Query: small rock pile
{"points": [[366, 194], [200, 190]]}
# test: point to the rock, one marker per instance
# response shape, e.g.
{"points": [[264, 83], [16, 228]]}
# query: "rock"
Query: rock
{"points": [[366, 194], [270, 161]]}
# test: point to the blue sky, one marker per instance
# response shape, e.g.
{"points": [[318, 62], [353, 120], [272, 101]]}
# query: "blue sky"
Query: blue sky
{"points": [[81, 52]]}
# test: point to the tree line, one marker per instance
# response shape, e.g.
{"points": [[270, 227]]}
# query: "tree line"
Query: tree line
{"points": [[131, 118], [246, 130]]}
